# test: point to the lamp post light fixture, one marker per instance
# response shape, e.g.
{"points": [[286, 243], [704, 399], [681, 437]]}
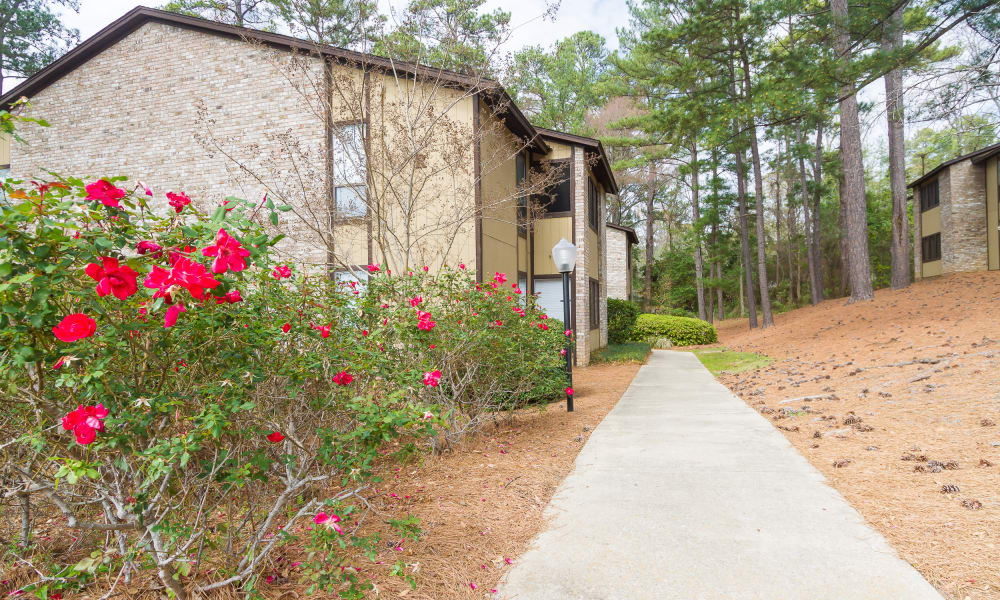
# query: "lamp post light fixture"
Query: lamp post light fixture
{"points": [[564, 255]]}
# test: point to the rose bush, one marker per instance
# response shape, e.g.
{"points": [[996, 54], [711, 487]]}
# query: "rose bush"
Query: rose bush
{"points": [[183, 401]]}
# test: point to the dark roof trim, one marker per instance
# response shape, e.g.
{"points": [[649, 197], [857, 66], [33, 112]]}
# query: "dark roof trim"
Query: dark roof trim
{"points": [[602, 168], [629, 232], [496, 97], [975, 156]]}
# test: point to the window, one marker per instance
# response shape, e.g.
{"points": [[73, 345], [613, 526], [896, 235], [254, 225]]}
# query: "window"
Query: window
{"points": [[550, 297], [522, 200], [557, 198], [929, 196], [595, 304], [931, 248], [350, 171], [4, 172], [593, 204], [355, 280]]}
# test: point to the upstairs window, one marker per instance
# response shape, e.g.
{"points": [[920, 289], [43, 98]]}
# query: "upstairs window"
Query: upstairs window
{"points": [[557, 197], [593, 204], [350, 171], [929, 197]]}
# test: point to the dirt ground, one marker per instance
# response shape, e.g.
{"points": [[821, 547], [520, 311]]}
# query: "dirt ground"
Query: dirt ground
{"points": [[896, 402], [481, 504]]}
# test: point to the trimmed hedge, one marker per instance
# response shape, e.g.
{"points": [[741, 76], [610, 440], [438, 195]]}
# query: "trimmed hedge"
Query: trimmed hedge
{"points": [[682, 331], [621, 318]]}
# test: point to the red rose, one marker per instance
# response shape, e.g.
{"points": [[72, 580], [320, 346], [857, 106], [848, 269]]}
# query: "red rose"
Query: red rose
{"points": [[112, 278], [178, 201], [76, 326], [105, 193], [274, 437]]}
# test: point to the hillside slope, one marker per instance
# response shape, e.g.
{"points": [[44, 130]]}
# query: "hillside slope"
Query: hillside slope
{"points": [[896, 401]]}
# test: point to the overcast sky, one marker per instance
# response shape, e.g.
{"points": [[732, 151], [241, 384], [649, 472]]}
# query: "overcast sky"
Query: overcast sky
{"points": [[602, 16]]}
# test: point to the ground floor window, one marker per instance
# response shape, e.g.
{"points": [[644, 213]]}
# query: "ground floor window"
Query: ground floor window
{"points": [[550, 296], [931, 248]]}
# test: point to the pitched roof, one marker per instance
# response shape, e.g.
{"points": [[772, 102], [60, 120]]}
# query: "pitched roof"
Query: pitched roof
{"points": [[493, 94], [975, 156], [629, 232], [602, 169]]}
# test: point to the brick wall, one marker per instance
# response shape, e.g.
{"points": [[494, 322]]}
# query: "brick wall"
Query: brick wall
{"points": [[154, 106], [617, 273], [963, 218]]}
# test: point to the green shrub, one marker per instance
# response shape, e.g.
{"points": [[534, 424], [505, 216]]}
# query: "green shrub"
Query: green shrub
{"points": [[621, 318], [682, 331], [632, 352], [150, 402], [677, 312]]}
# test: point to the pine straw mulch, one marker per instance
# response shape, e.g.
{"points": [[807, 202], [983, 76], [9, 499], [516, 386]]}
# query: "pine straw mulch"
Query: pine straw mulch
{"points": [[896, 402], [479, 505]]}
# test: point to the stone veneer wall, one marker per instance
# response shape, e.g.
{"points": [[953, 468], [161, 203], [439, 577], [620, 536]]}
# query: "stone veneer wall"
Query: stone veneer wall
{"points": [[617, 257], [153, 106], [963, 218]]}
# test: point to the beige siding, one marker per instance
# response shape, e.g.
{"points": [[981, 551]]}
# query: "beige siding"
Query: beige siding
{"points": [[930, 221], [426, 196], [548, 232], [498, 174], [992, 220], [4, 149], [558, 150]]}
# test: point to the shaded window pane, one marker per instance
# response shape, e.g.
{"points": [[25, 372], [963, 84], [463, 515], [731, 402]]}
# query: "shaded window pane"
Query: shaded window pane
{"points": [[557, 198], [350, 201]]}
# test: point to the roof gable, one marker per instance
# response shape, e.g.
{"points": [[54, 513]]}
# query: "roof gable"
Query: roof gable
{"points": [[491, 92]]}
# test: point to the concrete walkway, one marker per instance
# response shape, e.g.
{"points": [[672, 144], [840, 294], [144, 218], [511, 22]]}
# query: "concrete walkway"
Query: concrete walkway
{"points": [[684, 492]]}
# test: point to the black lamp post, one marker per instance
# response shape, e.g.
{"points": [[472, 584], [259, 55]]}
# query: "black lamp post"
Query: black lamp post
{"points": [[564, 255]]}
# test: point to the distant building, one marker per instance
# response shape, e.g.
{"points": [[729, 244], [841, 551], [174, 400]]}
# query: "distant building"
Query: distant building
{"points": [[619, 251], [956, 217]]}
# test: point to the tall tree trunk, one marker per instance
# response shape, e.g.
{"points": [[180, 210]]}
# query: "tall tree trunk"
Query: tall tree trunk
{"points": [[811, 222], [741, 195], [891, 41], [719, 307], [777, 224], [758, 186], [716, 268], [650, 195], [814, 247], [845, 258], [856, 217], [699, 267]]}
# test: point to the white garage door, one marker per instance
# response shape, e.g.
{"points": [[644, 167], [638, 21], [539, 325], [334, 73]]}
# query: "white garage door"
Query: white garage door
{"points": [[550, 297]]}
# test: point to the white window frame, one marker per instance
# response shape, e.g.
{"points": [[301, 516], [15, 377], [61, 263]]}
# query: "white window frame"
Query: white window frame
{"points": [[350, 173]]}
